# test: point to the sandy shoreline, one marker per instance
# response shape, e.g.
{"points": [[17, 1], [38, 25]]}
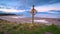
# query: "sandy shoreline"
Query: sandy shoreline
{"points": [[19, 19]]}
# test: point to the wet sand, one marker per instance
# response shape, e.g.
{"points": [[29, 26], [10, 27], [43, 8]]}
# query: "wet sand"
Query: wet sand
{"points": [[20, 19]]}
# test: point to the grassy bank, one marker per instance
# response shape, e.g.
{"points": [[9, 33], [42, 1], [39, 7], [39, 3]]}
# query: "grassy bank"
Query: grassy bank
{"points": [[27, 28]]}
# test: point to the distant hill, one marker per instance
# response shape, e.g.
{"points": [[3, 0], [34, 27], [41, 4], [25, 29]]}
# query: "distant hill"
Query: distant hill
{"points": [[6, 14], [2, 13]]}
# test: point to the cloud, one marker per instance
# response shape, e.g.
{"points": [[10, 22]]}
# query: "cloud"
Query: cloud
{"points": [[25, 4], [11, 10], [23, 7], [46, 8]]}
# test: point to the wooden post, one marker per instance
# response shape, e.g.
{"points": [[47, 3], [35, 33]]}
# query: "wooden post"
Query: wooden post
{"points": [[33, 14]]}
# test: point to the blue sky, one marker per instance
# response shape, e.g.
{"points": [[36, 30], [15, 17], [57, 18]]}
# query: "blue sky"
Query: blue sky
{"points": [[45, 8]]}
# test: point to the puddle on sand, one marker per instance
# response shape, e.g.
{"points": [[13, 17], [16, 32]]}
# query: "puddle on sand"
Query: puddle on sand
{"points": [[17, 17], [43, 21]]}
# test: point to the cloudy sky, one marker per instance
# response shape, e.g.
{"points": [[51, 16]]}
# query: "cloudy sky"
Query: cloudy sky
{"points": [[45, 8]]}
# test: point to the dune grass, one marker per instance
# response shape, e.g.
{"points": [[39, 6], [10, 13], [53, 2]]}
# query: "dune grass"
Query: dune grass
{"points": [[27, 28]]}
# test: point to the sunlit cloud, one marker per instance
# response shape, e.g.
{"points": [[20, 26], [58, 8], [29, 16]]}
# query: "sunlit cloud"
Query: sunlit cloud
{"points": [[11, 10], [44, 9]]}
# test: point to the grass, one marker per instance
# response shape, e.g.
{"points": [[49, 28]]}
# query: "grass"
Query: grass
{"points": [[27, 28]]}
